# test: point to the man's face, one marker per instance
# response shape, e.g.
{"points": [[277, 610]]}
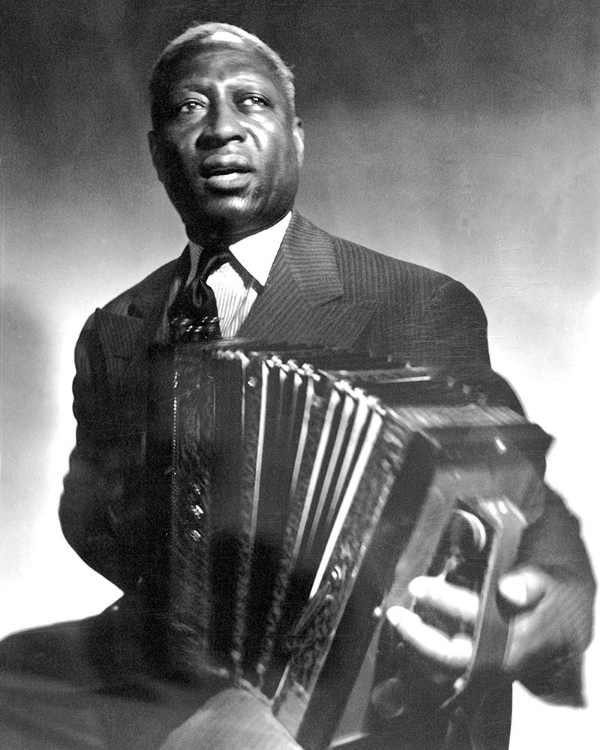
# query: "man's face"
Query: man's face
{"points": [[228, 150]]}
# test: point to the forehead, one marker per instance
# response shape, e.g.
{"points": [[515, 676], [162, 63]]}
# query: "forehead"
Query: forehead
{"points": [[220, 60]]}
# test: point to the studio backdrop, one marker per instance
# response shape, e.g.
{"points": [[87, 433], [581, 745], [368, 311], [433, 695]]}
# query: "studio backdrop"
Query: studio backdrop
{"points": [[458, 134]]}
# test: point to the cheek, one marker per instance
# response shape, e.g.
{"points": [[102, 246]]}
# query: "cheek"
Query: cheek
{"points": [[278, 149], [181, 145]]}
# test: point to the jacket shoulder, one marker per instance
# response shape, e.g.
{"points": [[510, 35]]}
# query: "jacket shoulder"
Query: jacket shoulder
{"points": [[354, 252], [423, 315], [377, 275]]}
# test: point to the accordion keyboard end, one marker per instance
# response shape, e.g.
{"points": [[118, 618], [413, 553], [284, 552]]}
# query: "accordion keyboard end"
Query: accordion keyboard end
{"points": [[291, 708]]}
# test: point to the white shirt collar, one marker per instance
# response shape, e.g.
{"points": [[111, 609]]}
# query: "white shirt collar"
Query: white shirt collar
{"points": [[255, 253]]}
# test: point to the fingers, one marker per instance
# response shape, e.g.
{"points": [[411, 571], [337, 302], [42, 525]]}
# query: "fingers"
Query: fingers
{"points": [[445, 614], [438, 602], [523, 589], [455, 602], [450, 652], [543, 622]]}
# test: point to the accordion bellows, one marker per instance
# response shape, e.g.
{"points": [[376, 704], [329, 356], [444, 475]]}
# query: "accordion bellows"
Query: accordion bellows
{"points": [[305, 489]]}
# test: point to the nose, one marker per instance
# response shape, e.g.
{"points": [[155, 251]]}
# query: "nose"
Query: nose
{"points": [[222, 125]]}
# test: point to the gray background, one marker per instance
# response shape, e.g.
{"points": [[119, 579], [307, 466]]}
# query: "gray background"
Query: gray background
{"points": [[461, 135]]}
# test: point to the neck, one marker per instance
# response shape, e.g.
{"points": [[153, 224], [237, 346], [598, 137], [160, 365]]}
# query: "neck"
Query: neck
{"points": [[224, 234]]}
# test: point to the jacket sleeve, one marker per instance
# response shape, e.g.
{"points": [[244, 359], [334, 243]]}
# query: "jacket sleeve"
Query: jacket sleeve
{"points": [[554, 545], [100, 506], [455, 334], [454, 331]]}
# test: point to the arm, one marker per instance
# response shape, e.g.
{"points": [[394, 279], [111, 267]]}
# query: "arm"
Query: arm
{"points": [[549, 598], [454, 329], [104, 474]]}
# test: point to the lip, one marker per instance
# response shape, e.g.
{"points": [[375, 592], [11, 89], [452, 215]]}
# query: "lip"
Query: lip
{"points": [[218, 165]]}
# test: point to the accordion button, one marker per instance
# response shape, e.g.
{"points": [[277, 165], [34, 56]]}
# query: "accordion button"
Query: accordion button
{"points": [[500, 445], [389, 698]]}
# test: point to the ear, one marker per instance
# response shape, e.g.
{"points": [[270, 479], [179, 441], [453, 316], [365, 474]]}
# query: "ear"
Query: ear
{"points": [[298, 135], [157, 154]]}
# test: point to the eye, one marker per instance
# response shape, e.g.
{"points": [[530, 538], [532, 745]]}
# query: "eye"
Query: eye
{"points": [[190, 106], [253, 102]]}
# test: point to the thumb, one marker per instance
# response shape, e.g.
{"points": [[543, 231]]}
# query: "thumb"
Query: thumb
{"points": [[524, 588]]}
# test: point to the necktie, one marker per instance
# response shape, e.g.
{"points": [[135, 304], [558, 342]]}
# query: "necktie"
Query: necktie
{"points": [[193, 316]]}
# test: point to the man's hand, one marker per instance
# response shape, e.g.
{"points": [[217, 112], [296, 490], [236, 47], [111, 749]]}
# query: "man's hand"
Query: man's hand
{"points": [[450, 653], [545, 630]]}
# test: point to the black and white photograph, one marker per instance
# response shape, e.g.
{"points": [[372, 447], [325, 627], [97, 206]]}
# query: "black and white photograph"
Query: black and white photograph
{"points": [[299, 410]]}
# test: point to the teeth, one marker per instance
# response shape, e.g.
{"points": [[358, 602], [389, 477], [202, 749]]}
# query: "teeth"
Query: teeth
{"points": [[217, 172]]}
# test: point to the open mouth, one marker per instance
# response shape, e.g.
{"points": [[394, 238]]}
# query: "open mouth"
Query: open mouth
{"points": [[223, 167], [227, 181], [221, 172]]}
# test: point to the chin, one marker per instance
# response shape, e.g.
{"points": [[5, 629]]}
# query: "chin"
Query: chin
{"points": [[232, 214]]}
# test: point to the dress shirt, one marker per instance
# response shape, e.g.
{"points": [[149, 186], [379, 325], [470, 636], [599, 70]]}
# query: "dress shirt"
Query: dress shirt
{"points": [[237, 283]]}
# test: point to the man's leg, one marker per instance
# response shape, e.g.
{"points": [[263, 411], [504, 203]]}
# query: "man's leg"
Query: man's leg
{"points": [[86, 685]]}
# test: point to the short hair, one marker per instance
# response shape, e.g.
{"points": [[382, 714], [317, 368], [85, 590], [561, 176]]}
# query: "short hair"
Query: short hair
{"points": [[194, 37]]}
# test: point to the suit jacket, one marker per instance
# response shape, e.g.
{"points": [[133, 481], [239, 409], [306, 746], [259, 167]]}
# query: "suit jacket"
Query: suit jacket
{"points": [[322, 290]]}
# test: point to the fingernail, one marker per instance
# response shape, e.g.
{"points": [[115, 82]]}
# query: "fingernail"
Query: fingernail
{"points": [[418, 587], [399, 616], [514, 589]]}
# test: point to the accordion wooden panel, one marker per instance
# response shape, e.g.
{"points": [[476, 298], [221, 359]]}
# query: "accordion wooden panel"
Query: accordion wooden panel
{"points": [[307, 488]]}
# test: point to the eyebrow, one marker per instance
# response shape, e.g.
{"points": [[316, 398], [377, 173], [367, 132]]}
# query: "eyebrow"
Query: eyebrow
{"points": [[202, 85], [244, 76]]}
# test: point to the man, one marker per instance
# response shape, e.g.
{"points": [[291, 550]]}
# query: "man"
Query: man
{"points": [[228, 147]]}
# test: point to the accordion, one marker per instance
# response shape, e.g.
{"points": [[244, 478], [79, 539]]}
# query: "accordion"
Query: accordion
{"points": [[294, 494]]}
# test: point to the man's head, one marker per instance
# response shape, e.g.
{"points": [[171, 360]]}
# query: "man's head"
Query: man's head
{"points": [[225, 139]]}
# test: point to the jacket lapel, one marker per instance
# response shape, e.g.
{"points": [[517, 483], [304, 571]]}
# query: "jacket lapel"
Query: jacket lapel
{"points": [[305, 300], [125, 336]]}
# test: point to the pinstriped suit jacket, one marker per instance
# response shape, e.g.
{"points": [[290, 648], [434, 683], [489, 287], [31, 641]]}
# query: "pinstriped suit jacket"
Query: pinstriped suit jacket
{"points": [[321, 290]]}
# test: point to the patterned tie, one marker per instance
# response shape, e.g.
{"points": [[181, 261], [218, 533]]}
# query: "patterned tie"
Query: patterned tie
{"points": [[193, 316]]}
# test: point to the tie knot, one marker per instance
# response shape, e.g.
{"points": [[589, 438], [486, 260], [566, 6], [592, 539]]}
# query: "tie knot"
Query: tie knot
{"points": [[193, 315], [211, 259]]}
